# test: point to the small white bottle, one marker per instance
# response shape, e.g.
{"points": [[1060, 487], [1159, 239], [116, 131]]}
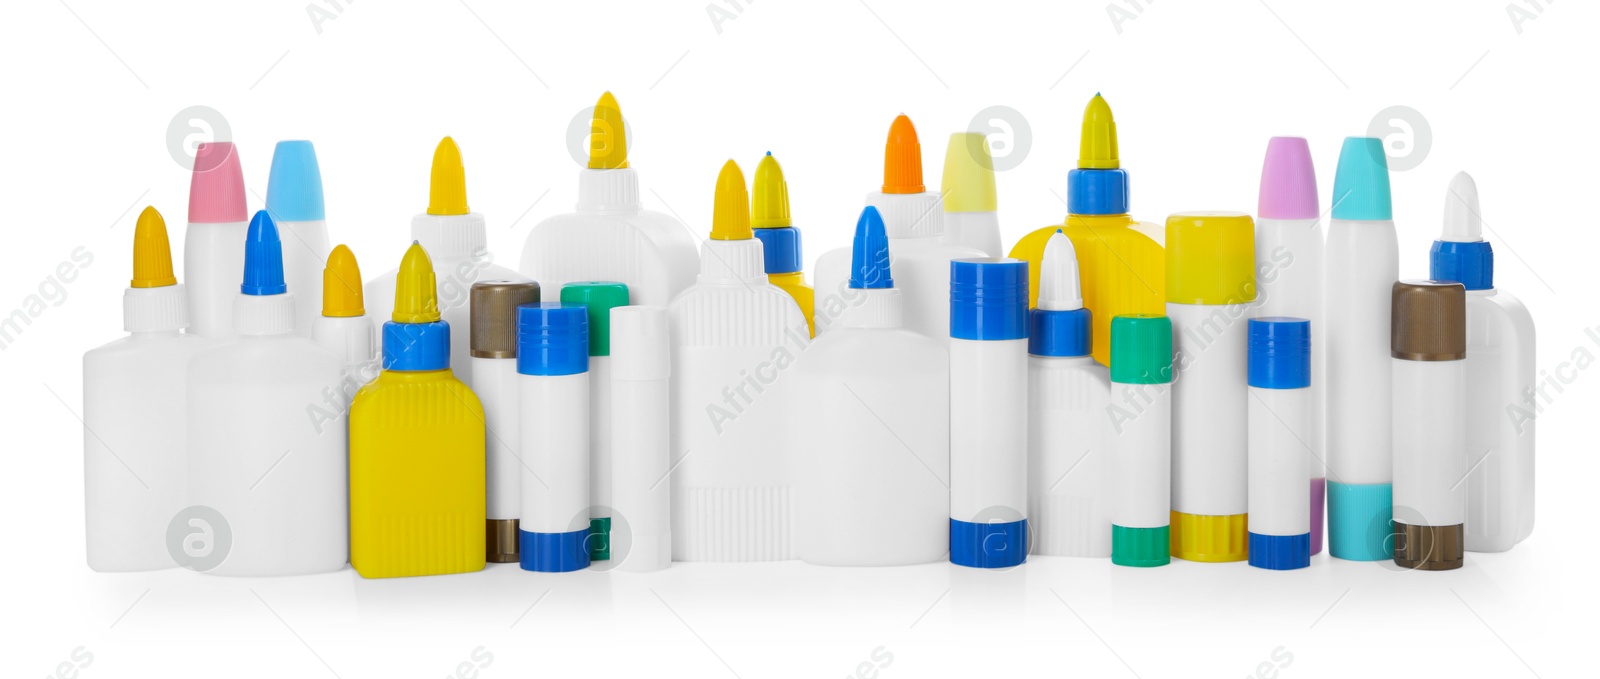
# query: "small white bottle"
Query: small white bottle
{"points": [[641, 435], [553, 364], [494, 371], [1429, 347], [1069, 468], [873, 457], [733, 334], [599, 297], [1281, 403], [1500, 379], [135, 460], [256, 457], [1140, 440], [988, 412], [294, 199], [213, 242], [342, 328]]}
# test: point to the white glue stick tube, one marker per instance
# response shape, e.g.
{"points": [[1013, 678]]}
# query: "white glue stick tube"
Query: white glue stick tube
{"points": [[641, 493], [494, 378], [1281, 425], [553, 364], [599, 297], [1429, 350], [1140, 440]]}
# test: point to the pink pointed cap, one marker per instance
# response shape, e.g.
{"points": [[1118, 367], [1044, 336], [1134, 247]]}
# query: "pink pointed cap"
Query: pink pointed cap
{"points": [[1288, 182], [216, 189]]}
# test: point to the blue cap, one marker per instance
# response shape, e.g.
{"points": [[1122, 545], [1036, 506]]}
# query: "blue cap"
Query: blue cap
{"points": [[869, 255], [1361, 184], [294, 187], [552, 339], [780, 246], [263, 258], [1097, 192], [1280, 352], [553, 552], [1470, 264], [988, 545], [988, 298], [1059, 333], [416, 347], [1280, 552]]}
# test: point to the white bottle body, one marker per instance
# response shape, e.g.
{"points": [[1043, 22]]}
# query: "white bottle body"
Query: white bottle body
{"points": [[977, 230], [455, 276], [1280, 456], [642, 458], [135, 449], [872, 457], [652, 253], [555, 453], [499, 389], [1210, 447], [258, 459], [213, 265], [1500, 427], [1289, 280], [988, 430], [305, 255], [1362, 264], [1069, 466], [1430, 430], [1139, 440]]}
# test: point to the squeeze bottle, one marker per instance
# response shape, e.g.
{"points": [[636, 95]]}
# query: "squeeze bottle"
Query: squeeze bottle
{"points": [[294, 199], [213, 252]]}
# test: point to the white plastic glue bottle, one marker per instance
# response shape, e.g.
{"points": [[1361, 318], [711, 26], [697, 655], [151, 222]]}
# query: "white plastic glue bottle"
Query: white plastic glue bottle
{"points": [[294, 199], [213, 242], [1429, 351], [494, 371], [641, 435]]}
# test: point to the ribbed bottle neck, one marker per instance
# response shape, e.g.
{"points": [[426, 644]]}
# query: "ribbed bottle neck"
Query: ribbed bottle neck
{"points": [[256, 315], [732, 261], [153, 310], [878, 308], [450, 236], [608, 190]]}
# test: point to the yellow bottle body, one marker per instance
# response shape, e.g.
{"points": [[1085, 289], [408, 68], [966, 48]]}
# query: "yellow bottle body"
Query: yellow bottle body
{"points": [[804, 295]]}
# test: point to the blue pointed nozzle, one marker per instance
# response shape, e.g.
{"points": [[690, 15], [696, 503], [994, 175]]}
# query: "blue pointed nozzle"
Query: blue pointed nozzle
{"points": [[869, 257], [1361, 184], [294, 188], [263, 258]]}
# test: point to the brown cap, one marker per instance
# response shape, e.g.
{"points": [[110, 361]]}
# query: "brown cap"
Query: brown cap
{"points": [[500, 541], [1429, 548], [494, 316], [1428, 321]]}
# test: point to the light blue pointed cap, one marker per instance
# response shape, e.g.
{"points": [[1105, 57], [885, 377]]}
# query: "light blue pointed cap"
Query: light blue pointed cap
{"points": [[294, 188], [1361, 184]]}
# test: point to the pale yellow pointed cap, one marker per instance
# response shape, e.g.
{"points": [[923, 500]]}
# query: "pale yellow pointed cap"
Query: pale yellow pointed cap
{"points": [[415, 299], [968, 182], [769, 204]]}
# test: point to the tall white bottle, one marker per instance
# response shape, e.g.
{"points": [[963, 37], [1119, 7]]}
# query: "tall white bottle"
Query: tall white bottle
{"points": [[1069, 467], [213, 243], [135, 454], [609, 236], [1363, 262], [872, 458], [599, 297], [294, 199], [914, 219], [1500, 379], [1430, 424], [256, 459], [733, 333], [641, 438], [457, 243], [494, 370], [342, 328], [1289, 276]]}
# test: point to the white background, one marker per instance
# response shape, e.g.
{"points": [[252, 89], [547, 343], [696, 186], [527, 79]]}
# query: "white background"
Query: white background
{"points": [[92, 87]]}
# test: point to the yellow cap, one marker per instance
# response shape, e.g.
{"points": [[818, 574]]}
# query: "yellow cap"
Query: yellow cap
{"points": [[769, 207], [1210, 539], [1097, 146], [341, 285], [152, 255], [730, 218], [1211, 258], [608, 136], [968, 183], [447, 188], [414, 298]]}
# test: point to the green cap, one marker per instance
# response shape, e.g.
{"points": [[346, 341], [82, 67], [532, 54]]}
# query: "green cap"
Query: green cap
{"points": [[1141, 547], [600, 297], [1141, 348]]}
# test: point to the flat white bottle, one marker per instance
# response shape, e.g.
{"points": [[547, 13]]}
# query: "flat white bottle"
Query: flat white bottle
{"points": [[1500, 379], [1140, 440], [213, 242], [1430, 424], [873, 456], [1069, 467], [1289, 277], [733, 333], [1362, 265], [256, 458], [599, 297], [641, 436], [494, 371], [135, 459], [1280, 424], [294, 199], [553, 369]]}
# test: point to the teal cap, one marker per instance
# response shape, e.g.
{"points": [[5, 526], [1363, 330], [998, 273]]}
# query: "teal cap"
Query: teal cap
{"points": [[1141, 349], [1361, 184], [600, 297]]}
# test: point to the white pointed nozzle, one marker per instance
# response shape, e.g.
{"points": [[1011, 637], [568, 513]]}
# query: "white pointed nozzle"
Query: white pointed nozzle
{"points": [[1058, 275], [1462, 223]]}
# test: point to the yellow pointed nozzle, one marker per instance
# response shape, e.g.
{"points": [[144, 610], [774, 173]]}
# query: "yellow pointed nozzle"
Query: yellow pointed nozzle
{"points": [[152, 255], [730, 218], [447, 187], [341, 285], [608, 136], [968, 182], [769, 207], [414, 298], [1097, 148]]}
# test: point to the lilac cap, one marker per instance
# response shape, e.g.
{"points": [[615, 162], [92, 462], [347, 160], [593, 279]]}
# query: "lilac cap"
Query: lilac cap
{"points": [[1288, 182]]}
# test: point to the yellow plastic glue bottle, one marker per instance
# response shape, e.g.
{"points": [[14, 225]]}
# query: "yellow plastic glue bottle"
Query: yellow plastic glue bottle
{"points": [[780, 241], [1122, 262], [416, 447]]}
